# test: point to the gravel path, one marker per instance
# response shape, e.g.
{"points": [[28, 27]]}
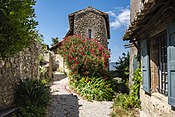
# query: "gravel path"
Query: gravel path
{"points": [[66, 104]]}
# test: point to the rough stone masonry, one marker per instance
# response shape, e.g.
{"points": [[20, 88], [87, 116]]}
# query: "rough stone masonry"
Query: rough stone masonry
{"points": [[23, 65]]}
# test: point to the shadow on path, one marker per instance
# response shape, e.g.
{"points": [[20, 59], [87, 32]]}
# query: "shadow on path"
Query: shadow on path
{"points": [[57, 76], [64, 105]]}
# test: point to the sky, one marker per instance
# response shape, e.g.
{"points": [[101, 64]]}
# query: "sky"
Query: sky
{"points": [[52, 17]]}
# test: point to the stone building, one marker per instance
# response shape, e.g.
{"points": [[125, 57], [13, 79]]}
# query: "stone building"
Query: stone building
{"points": [[89, 23], [24, 64], [152, 35]]}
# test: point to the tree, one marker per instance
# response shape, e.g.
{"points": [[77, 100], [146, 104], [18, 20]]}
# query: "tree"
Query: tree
{"points": [[17, 26], [55, 40], [122, 67]]}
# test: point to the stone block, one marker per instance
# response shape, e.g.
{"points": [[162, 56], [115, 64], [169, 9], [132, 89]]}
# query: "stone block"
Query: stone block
{"points": [[14, 68]]}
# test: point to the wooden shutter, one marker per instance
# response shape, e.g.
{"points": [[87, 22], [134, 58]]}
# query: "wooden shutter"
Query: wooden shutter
{"points": [[171, 64], [145, 66]]}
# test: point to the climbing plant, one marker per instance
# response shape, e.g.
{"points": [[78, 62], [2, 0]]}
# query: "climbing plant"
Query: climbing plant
{"points": [[17, 25]]}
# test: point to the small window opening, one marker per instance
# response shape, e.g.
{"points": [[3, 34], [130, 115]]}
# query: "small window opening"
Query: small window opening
{"points": [[90, 33]]}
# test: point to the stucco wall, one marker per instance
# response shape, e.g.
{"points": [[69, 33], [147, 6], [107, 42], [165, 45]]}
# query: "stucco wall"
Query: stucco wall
{"points": [[94, 21], [23, 65]]}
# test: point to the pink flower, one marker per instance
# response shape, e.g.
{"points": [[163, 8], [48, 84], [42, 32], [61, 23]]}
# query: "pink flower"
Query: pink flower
{"points": [[83, 40]]}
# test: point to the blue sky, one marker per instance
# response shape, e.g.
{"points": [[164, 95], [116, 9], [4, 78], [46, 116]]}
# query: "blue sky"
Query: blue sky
{"points": [[52, 16]]}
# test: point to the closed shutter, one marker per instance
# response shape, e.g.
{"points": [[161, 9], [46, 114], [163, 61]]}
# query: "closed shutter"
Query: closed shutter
{"points": [[145, 66], [171, 65]]}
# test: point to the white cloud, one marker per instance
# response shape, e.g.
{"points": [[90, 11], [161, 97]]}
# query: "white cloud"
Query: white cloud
{"points": [[111, 13], [122, 19]]}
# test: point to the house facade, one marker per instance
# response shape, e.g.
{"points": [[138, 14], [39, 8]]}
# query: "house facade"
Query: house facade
{"points": [[88, 23], [152, 35]]}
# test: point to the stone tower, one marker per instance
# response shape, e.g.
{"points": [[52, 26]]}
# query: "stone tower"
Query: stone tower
{"points": [[90, 23]]}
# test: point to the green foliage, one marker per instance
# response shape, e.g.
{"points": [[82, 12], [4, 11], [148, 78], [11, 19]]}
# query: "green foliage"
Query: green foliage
{"points": [[44, 75], [135, 88], [131, 101], [120, 112], [122, 67], [33, 98], [86, 57], [87, 60], [17, 25], [124, 105], [55, 40], [127, 102], [93, 88]]}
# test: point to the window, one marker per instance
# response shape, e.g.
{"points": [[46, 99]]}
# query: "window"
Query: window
{"points": [[163, 74], [89, 33]]}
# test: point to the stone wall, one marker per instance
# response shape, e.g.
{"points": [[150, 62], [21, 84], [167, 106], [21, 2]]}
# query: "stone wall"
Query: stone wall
{"points": [[61, 63], [23, 65], [135, 7], [94, 21], [133, 52], [155, 105], [154, 59]]}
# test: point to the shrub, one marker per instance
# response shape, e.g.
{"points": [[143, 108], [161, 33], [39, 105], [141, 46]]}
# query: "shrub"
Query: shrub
{"points": [[87, 60], [86, 57], [33, 97], [126, 103], [94, 88]]}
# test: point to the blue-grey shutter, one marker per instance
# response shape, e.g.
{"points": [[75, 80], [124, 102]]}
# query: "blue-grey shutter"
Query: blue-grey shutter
{"points": [[171, 64], [135, 63], [145, 66]]}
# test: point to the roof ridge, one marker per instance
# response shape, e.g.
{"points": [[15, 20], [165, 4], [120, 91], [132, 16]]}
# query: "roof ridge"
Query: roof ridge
{"points": [[87, 8]]}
